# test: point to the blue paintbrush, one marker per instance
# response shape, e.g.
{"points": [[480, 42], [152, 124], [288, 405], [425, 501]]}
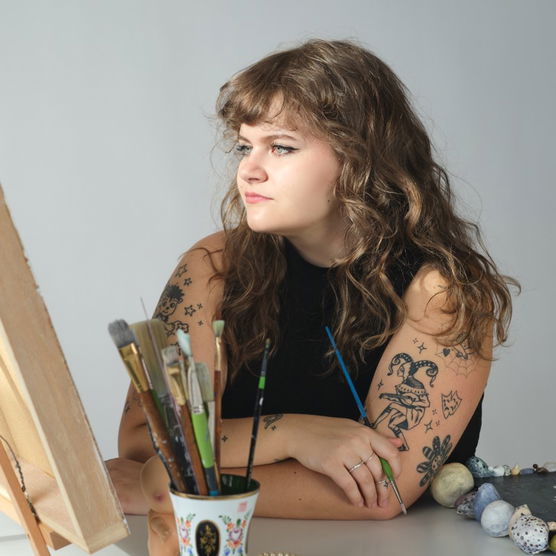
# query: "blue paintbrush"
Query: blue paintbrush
{"points": [[385, 465]]}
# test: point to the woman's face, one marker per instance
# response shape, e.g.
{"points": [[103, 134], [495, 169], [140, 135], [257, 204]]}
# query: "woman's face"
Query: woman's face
{"points": [[286, 179]]}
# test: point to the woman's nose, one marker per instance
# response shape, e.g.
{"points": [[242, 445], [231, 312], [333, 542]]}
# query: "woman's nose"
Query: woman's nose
{"points": [[251, 168]]}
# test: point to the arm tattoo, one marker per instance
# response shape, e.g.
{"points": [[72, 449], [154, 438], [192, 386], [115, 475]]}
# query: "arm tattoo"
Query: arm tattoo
{"points": [[269, 421], [420, 345], [459, 359], [436, 455], [407, 405], [450, 403]]}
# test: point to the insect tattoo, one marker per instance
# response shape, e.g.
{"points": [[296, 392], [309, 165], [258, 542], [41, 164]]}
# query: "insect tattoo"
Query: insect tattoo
{"points": [[436, 455]]}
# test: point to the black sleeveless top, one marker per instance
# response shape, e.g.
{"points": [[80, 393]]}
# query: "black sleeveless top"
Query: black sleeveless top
{"points": [[297, 381]]}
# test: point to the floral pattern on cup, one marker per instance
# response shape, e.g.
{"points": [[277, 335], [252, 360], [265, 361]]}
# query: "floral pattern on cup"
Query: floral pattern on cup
{"points": [[236, 532], [184, 533]]}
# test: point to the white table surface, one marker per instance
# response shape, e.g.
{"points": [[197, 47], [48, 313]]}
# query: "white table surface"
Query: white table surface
{"points": [[427, 529]]}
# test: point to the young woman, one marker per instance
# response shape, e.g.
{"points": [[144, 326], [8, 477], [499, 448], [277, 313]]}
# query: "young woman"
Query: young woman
{"points": [[338, 215]]}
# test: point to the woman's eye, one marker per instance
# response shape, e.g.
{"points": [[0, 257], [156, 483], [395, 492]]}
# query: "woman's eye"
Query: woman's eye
{"points": [[282, 149], [242, 149]]}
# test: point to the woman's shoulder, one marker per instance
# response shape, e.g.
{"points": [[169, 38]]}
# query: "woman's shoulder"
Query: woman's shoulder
{"points": [[206, 254], [427, 300]]}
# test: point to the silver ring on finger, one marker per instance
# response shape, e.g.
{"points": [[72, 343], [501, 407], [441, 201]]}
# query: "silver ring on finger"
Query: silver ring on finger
{"points": [[385, 483], [356, 466], [370, 457]]}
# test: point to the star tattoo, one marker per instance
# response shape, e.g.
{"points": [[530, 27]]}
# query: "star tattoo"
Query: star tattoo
{"points": [[421, 347], [187, 282], [428, 426], [189, 310], [380, 384], [181, 270]]}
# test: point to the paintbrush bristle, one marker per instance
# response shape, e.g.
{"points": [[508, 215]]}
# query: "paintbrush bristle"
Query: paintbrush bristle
{"points": [[184, 342], [121, 333], [205, 383], [218, 327], [170, 355]]}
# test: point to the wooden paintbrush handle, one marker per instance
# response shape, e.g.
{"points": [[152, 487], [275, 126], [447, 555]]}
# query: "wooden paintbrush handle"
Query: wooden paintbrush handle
{"points": [[161, 439], [217, 417], [194, 455]]}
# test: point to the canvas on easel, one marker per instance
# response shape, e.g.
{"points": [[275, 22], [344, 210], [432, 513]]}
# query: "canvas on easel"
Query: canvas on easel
{"points": [[45, 433]]}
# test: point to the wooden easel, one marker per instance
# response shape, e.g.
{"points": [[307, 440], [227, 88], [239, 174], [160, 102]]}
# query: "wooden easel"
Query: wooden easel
{"points": [[24, 514], [42, 418]]}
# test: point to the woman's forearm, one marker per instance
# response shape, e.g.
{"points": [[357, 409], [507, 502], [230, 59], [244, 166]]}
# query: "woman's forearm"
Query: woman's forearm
{"points": [[290, 490], [271, 439]]}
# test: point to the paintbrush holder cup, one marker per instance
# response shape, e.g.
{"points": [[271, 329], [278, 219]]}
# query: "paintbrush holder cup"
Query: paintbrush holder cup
{"points": [[216, 525]]}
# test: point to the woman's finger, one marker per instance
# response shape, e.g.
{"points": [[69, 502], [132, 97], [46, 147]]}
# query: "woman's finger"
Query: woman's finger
{"points": [[347, 483], [365, 483], [383, 492]]}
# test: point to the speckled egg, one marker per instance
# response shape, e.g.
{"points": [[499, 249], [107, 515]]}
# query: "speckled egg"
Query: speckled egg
{"points": [[465, 504], [530, 534], [496, 517], [453, 480], [478, 467], [485, 495], [518, 512]]}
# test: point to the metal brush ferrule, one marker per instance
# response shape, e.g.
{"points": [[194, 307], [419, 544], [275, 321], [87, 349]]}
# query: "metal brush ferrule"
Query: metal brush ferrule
{"points": [[133, 360]]}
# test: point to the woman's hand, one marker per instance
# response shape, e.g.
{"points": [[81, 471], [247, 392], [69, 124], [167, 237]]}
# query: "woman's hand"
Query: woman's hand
{"points": [[125, 475], [347, 452]]}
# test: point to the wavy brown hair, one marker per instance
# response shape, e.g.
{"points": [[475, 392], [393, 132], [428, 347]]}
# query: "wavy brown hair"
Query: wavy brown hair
{"points": [[393, 197]]}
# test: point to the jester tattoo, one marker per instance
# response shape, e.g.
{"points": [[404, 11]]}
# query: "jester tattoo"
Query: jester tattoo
{"points": [[409, 401]]}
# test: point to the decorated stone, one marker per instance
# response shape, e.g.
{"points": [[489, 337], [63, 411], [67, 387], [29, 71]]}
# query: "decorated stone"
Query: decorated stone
{"points": [[485, 495], [465, 504], [478, 467], [453, 480], [507, 470], [527, 471], [530, 534], [518, 512], [497, 471], [496, 518], [515, 470]]}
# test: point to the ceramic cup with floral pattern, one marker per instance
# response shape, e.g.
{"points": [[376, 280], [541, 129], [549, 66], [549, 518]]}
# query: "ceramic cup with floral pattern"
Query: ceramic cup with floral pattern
{"points": [[216, 525]]}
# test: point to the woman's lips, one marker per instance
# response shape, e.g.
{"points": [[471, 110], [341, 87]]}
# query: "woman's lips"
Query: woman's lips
{"points": [[253, 198]]}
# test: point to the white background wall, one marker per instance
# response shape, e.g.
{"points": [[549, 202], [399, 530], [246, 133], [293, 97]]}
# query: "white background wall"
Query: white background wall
{"points": [[105, 159]]}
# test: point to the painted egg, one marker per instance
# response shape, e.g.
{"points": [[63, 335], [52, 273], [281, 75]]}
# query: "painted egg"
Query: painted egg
{"points": [[478, 467], [465, 504], [453, 480], [496, 518], [530, 534], [485, 495], [515, 470], [518, 512], [550, 466]]}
